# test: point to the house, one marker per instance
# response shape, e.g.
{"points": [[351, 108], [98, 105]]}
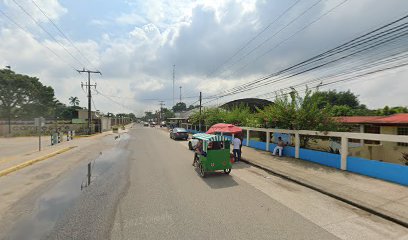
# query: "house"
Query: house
{"points": [[396, 124], [182, 117], [100, 123]]}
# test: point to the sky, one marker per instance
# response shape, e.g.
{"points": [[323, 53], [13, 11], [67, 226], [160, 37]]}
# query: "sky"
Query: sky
{"points": [[136, 43]]}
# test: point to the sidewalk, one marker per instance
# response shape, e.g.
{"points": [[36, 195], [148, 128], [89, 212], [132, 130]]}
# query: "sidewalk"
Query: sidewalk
{"points": [[15, 151], [384, 198]]}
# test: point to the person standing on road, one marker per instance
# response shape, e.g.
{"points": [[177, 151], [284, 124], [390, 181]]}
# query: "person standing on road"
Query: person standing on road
{"points": [[279, 147], [237, 149], [198, 150]]}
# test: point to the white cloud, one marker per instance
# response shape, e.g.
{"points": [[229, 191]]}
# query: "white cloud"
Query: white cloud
{"points": [[52, 8]]}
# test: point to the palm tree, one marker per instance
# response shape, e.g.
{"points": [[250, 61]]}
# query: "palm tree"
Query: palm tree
{"points": [[74, 101]]}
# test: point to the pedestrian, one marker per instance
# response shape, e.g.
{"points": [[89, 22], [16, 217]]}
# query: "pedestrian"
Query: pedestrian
{"points": [[279, 147], [237, 149], [198, 150]]}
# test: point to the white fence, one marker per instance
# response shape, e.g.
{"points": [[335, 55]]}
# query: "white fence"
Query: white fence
{"points": [[344, 136]]}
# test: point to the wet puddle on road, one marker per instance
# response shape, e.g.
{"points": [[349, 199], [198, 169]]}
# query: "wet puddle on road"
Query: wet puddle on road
{"points": [[51, 205]]}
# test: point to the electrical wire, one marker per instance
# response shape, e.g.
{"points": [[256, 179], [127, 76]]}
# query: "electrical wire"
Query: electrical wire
{"points": [[276, 33], [243, 67], [255, 37], [48, 33], [373, 45], [61, 32], [29, 33]]}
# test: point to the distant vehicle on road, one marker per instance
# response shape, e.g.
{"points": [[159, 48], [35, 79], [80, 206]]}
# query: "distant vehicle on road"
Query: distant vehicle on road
{"points": [[152, 124], [145, 124], [179, 133]]}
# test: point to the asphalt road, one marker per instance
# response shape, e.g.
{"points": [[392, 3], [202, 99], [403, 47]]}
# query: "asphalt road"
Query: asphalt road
{"points": [[167, 199], [144, 187]]}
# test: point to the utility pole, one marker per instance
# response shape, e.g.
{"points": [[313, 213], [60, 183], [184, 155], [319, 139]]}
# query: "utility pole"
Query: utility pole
{"points": [[180, 94], [199, 121], [89, 95], [161, 110], [174, 76]]}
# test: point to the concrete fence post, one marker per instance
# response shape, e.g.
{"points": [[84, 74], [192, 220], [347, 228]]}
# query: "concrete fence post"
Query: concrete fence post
{"points": [[268, 140], [247, 140], [362, 131], [297, 145], [344, 153]]}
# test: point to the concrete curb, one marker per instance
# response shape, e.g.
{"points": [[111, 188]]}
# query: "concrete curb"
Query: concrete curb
{"points": [[340, 198], [31, 162]]}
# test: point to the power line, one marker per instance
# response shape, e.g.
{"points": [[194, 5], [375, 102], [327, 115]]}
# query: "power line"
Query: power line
{"points": [[250, 85], [324, 64], [345, 74], [255, 37], [276, 33], [61, 32], [110, 99], [370, 65], [240, 69], [89, 85], [48, 33], [28, 32]]}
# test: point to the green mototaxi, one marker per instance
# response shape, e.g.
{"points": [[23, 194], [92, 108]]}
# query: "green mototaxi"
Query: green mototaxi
{"points": [[215, 154]]}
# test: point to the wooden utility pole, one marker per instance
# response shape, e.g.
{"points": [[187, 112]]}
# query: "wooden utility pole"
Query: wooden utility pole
{"points": [[89, 95], [161, 103]]}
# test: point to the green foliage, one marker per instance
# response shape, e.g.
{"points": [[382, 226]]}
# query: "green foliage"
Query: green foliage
{"points": [[24, 97], [344, 110], [334, 98], [74, 101], [179, 107], [167, 113], [192, 107], [148, 116], [389, 111], [240, 116], [213, 116], [295, 112]]}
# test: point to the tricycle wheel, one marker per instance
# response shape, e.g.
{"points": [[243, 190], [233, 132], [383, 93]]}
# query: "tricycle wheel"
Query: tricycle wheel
{"points": [[227, 171], [202, 172]]}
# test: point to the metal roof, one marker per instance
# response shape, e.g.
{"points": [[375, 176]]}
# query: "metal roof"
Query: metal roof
{"points": [[401, 118]]}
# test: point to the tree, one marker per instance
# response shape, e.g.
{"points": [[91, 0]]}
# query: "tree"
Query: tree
{"points": [[393, 110], [291, 111], [192, 107], [23, 96], [167, 113], [148, 116], [179, 107], [62, 111], [334, 98], [74, 101]]}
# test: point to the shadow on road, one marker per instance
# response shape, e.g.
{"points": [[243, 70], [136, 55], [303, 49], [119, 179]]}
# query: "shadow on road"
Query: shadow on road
{"points": [[240, 165], [218, 180]]}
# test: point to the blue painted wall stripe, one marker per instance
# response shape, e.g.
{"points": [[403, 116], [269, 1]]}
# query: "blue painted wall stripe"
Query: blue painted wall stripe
{"points": [[382, 170]]}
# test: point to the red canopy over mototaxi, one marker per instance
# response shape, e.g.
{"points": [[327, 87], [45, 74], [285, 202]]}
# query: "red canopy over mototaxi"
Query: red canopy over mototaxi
{"points": [[224, 128]]}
